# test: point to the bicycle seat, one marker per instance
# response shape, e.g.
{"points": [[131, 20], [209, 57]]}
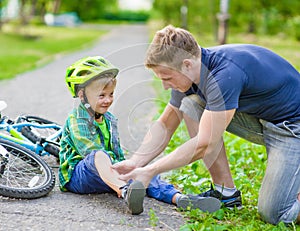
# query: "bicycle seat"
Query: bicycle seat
{"points": [[3, 105]]}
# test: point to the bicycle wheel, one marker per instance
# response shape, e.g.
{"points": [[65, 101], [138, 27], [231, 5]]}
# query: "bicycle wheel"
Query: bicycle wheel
{"points": [[36, 134], [23, 173]]}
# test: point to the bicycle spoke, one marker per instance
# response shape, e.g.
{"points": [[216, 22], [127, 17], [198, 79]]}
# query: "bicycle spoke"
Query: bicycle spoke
{"points": [[20, 171]]}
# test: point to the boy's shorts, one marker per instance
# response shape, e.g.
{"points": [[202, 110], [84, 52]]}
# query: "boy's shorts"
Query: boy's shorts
{"points": [[85, 178]]}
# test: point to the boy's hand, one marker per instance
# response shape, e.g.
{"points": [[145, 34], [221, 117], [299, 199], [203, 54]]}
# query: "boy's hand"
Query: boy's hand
{"points": [[124, 166]]}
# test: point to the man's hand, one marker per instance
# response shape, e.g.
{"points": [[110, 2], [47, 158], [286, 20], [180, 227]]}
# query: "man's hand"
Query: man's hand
{"points": [[124, 166], [143, 175]]}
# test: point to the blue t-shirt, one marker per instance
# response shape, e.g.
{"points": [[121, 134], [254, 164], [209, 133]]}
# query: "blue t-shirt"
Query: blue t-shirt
{"points": [[250, 79]]}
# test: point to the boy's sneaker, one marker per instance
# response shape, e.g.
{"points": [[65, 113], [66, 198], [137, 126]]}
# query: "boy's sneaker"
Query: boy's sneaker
{"points": [[206, 204], [134, 194], [230, 202]]}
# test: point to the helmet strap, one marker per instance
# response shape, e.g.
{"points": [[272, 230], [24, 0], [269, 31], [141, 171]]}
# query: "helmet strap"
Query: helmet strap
{"points": [[86, 104]]}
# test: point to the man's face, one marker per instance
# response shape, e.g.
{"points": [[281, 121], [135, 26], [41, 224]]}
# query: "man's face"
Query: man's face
{"points": [[172, 79]]}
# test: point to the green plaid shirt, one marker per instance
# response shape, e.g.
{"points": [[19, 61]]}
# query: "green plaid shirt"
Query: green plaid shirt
{"points": [[80, 137]]}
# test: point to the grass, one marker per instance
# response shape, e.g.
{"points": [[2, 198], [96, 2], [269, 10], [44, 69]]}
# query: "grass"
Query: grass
{"points": [[247, 161], [31, 46]]}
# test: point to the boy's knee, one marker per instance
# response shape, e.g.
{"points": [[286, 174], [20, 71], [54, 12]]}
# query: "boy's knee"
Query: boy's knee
{"points": [[102, 157]]}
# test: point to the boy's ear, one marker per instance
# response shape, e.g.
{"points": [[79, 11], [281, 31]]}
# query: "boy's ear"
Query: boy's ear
{"points": [[80, 94]]}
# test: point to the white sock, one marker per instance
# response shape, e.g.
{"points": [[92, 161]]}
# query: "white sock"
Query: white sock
{"points": [[177, 199], [224, 190], [124, 191]]}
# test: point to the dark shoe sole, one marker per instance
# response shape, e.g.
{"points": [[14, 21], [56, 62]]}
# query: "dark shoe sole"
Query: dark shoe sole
{"points": [[206, 204], [135, 197]]}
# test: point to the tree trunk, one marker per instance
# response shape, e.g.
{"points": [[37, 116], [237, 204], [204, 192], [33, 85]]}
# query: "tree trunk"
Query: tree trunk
{"points": [[22, 13], [223, 18], [56, 6], [33, 8]]}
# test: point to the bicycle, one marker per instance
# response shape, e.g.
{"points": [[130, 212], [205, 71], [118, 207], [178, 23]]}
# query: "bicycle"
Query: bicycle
{"points": [[45, 133], [23, 173]]}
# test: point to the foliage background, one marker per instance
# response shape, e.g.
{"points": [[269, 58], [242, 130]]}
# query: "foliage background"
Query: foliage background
{"points": [[260, 16]]}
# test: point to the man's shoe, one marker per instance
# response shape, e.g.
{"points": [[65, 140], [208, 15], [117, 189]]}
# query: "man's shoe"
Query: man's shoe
{"points": [[134, 194], [206, 204], [230, 202]]}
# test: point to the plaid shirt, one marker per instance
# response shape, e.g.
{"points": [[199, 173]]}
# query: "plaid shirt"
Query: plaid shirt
{"points": [[80, 137]]}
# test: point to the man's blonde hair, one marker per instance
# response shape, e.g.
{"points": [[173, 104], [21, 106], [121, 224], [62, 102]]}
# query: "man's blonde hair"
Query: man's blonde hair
{"points": [[170, 46]]}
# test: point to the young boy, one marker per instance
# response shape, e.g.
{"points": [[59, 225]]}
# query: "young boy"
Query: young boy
{"points": [[90, 144]]}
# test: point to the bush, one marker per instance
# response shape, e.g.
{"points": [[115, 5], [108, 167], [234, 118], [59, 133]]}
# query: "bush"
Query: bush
{"points": [[127, 15], [294, 27]]}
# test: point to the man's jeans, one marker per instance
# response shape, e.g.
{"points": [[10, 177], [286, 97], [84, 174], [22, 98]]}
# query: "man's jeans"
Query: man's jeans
{"points": [[281, 184]]}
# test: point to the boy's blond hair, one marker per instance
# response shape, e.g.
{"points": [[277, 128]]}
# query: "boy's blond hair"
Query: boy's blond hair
{"points": [[103, 80], [170, 46]]}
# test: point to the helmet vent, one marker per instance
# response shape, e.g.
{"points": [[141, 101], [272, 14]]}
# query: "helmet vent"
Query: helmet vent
{"points": [[70, 72], [91, 63], [102, 61], [83, 73]]}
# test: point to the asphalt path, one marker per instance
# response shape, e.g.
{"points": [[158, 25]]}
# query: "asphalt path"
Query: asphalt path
{"points": [[43, 92]]}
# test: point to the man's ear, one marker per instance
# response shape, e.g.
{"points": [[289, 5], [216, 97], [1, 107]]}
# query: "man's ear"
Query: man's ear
{"points": [[186, 64]]}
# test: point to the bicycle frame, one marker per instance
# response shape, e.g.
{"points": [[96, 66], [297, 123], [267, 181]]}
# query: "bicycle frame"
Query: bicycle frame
{"points": [[15, 135]]}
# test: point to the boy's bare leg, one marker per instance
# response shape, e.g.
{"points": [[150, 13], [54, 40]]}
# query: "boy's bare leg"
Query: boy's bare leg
{"points": [[219, 169], [107, 174], [135, 193]]}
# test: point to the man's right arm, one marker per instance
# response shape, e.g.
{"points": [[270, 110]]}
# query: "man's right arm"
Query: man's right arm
{"points": [[158, 137], [155, 141]]}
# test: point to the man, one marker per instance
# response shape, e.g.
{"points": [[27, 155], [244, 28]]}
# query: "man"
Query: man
{"points": [[244, 89]]}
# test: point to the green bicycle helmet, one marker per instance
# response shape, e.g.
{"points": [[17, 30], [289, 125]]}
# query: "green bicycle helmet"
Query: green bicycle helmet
{"points": [[86, 69]]}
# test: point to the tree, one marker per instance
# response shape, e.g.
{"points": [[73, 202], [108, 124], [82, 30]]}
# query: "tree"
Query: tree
{"points": [[223, 18], [169, 10], [89, 9]]}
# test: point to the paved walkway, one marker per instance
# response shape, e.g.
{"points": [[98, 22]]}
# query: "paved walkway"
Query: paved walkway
{"points": [[43, 92]]}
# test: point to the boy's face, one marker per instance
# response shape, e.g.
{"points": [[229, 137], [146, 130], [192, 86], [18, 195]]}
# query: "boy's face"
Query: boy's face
{"points": [[100, 97]]}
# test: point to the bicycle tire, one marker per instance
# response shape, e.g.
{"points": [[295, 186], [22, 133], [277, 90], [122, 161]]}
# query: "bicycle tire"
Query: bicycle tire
{"points": [[26, 175], [52, 149]]}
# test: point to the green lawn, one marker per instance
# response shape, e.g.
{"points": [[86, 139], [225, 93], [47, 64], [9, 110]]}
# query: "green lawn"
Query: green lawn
{"points": [[25, 48], [247, 160]]}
